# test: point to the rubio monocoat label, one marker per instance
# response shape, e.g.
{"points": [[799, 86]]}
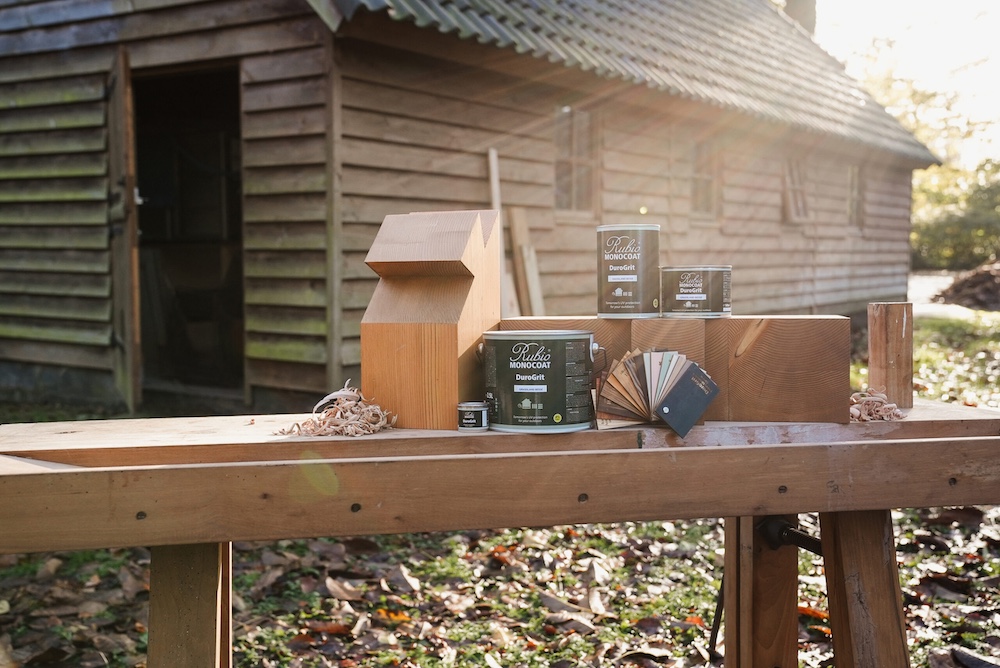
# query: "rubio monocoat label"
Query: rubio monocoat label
{"points": [[538, 381], [696, 291], [628, 259]]}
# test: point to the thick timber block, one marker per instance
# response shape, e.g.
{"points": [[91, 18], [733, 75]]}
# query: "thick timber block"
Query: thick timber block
{"points": [[438, 291], [779, 368], [686, 336], [613, 335]]}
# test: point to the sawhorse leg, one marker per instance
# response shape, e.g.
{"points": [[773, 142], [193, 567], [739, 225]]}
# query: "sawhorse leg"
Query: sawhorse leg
{"points": [[862, 579], [866, 613], [761, 602], [190, 599]]}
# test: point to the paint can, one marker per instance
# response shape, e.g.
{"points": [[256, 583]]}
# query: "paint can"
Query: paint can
{"points": [[538, 381], [628, 257], [473, 416], [696, 291]]}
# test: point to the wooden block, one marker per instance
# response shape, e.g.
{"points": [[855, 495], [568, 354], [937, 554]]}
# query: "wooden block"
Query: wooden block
{"points": [[779, 368], [685, 336], [434, 300], [866, 602], [890, 351], [611, 334], [431, 244]]}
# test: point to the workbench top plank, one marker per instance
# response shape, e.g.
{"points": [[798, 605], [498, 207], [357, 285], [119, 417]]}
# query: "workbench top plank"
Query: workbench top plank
{"points": [[159, 441]]}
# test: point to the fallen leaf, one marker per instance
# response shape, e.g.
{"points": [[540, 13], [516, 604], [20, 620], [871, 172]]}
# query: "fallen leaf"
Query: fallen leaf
{"points": [[595, 603], [815, 613], [570, 621], [966, 516], [6, 653], [649, 625], [402, 581], [91, 609], [343, 590], [391, 616], [48, 569], [969, 659], [491, 661], [328, 627]]}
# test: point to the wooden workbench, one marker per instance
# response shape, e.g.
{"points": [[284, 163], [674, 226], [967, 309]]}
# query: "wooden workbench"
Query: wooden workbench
{"points": [[187, 487]]}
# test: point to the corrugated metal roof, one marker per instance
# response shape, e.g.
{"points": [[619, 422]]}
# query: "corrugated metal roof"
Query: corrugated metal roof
{"points": [[741, 55]]}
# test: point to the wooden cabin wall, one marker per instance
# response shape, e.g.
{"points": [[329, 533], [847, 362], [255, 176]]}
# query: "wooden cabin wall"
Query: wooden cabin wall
{"points": [[55, 288], [416, 130], [415, 137], [54, 284], [822, 264], [286, 212]]}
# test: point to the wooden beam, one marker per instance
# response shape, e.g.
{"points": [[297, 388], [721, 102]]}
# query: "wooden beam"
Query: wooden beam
{"points": [[329, 497]]}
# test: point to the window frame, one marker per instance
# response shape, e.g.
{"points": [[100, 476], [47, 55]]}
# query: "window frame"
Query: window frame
{"points": [[581, 163], [855, 204], [706, 180], [796, 191]]}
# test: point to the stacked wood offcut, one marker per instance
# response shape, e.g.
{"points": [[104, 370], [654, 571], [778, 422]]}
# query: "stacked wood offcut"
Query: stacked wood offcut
{"points": [[978, 289]]}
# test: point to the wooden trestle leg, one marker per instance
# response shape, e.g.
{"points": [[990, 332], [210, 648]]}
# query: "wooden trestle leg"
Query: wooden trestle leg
{"points": [[189, 606]]}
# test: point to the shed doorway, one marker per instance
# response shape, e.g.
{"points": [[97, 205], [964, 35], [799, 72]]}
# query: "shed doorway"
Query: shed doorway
{"points": [[187, 129]]}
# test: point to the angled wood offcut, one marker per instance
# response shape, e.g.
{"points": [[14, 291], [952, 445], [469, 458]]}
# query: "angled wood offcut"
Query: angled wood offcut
{"points": [[439, 290]]}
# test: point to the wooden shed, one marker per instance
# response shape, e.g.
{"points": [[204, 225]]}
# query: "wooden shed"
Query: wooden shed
{"points": [[188, 188]]}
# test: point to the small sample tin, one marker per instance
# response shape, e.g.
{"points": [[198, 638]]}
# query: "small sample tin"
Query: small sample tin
{"points": [[696, 291], [472, 416]]}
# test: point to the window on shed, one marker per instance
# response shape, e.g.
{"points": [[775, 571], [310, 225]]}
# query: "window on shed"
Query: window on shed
{"points": [[795, 192], [705, 186], [576, 160], [855, 195]]}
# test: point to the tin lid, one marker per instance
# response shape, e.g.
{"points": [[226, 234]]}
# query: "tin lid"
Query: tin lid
{"points": [[547, 334], [471, 405], [640, 226]]}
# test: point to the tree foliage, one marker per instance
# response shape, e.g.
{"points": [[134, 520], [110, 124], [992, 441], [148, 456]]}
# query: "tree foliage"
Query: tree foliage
{"points": [[967, 237], [955, 214]]}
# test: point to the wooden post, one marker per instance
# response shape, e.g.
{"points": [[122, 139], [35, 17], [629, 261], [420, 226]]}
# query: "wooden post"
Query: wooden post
{"points": [[187, 623], [890, 351]]}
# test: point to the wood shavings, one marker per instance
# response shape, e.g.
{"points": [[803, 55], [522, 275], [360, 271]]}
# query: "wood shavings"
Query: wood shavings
{"points": [[347, 413], [873, 405]]}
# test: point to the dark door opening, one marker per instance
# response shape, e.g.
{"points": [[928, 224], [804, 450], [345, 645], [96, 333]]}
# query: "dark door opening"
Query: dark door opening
{"points": [[190, 225]]}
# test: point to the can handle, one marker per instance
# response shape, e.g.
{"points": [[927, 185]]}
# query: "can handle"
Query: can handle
{"points": [[594, 349]]}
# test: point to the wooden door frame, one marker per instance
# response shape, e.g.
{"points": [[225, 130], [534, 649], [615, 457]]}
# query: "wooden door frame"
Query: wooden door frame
{"points": [[123, 229]]}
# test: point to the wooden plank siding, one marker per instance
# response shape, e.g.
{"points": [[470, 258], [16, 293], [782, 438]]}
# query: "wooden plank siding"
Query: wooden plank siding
{"points": [[54, 286], [285, 213], [54, 261]]}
